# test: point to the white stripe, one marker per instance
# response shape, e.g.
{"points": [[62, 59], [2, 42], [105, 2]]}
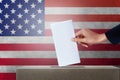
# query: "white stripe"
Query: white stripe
{"points": [[51, 54], [83, 10], [29, 40], [42, 40], [12, 69], [8, 69], [90, 25]]}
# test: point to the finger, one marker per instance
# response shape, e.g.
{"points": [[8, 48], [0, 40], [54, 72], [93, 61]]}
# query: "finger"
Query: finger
{"points": [[84, 44], [78, 33], [81, 40]]}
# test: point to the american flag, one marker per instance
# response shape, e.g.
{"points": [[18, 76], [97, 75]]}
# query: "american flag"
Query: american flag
{"points": [[26, 49]]}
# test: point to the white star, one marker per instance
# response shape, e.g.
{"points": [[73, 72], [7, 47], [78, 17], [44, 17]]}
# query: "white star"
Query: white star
{"points": [[1, 31], [13, 1], [39, 1], [39, 31], [13, 11], [39, 21], [6, 26], [19, 26], [33, 15], [19, 5], [6, 5], [26, 10], [33, 5], [6, 16], [19, 15], [33, 26], [13, 21], [26, 31], [1, 11], [26, 21], [39, 11], [26, 1], [1, 1], [13, 31], [1, 21]]}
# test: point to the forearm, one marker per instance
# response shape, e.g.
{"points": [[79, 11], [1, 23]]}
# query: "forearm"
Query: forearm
{"points": [[101, 38]]}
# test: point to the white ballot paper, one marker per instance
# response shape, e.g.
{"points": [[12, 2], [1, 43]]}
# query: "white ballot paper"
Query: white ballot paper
{"points": [[66, 50]]}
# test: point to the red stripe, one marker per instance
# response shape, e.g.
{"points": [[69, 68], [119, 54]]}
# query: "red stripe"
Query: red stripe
{"points": [[50, 47], [52, 61], [26, 47], [7, 76], [82, 3], [84, 18], [48, 31]]}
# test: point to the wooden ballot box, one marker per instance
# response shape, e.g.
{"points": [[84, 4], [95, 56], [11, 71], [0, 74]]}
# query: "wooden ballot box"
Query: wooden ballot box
{"points": [[68, 73]]}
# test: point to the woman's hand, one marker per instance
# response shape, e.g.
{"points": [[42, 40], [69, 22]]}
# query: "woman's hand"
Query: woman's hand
{"points": [[88, 37]]}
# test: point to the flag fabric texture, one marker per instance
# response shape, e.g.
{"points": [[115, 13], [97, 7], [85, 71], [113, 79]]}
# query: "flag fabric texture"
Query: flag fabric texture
{"points": [[26, 39]]}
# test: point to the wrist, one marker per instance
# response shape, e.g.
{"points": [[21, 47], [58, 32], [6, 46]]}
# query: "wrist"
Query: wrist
{"points": [[101, 38]]}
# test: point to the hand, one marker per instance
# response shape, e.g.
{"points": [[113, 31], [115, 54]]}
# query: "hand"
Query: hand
{"points": [[87, 37]]}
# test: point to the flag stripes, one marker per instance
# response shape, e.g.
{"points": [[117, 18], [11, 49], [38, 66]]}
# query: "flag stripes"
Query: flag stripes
{"points": [[48, 31], [7, 76], [82, 3], [50, 47], [84, 18], [52, 54], [81, 10], [90, 25], [53, 61]]}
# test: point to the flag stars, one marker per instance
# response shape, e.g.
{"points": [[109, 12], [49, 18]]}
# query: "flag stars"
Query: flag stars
{"points": [[19, 5], [19, 26], [39, 1], [6, 26], [6, 16], [39, 21], [33, 16], [26, 21], [33, 26], [19, 15], [26, 1], [1, 11], [39, 31], [1, 21], [26, 11], [13, 1], [26, 31], [13, 21], [39, 11], [1, 1], [27, 25], [6, 5], [33, 5], [13, 31], [13, 11]]}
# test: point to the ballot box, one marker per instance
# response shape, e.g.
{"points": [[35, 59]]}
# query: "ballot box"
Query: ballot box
{"points": [[68, 73]]}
